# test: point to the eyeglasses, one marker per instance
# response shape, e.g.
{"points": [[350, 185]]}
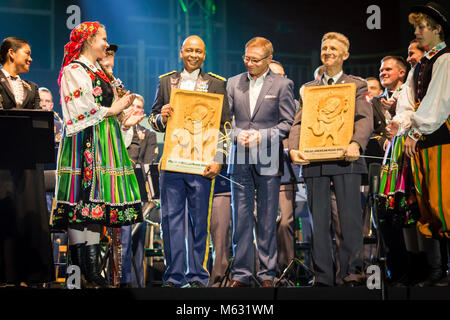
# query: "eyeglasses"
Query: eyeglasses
{"points": [[255, 61]]}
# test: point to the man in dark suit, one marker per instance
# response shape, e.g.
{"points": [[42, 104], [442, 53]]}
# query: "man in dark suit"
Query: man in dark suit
{"points": [[263, 107], [345, 175], [181, 190], [373, 88]]}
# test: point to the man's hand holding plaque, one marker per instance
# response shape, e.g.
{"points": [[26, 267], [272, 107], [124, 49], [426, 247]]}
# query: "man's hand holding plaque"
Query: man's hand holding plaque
{"points": [[351, 152], [166, 112], [212, 170], [298, 158]]}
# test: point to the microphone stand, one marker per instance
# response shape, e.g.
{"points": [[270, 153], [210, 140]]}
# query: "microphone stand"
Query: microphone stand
{"points": [[381, 246], [292, 181]]}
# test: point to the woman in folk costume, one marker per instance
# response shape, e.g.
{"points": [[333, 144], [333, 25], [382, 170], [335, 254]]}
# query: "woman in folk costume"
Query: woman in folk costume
{"points": [[96, 185], [25, 244], [425, 117]]}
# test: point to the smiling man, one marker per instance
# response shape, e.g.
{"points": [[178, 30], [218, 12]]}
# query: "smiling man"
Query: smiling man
{"points": [[392, 74], [262, 103], [181, 190], [345, 175]]}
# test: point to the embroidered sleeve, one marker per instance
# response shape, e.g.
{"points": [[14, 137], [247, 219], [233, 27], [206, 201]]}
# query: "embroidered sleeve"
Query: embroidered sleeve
{"points": [[434, 109], [405, 106], [78, 100]]}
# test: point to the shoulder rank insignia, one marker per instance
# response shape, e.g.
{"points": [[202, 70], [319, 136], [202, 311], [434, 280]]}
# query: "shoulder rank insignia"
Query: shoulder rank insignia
{"points": [[357, 78], [216, 76], [167, 74]]}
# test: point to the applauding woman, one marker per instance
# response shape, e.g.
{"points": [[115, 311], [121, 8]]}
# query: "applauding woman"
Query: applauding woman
{"points": [[96, 185]]}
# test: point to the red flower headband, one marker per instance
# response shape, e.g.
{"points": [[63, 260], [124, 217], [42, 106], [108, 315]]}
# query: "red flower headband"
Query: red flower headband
{"points": [[77, 37]]}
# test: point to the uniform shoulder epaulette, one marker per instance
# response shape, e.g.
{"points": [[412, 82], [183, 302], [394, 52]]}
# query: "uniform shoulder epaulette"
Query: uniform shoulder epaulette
{"points": [[216, 76], [357, 78], [167, 74]]}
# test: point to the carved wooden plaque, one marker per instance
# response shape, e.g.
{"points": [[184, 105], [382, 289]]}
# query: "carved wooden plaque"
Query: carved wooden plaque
{"points": [[192, 131], [327, 121]]}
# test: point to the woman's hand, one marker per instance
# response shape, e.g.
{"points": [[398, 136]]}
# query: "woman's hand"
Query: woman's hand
{"points": [[131, 117], [121, 104]]}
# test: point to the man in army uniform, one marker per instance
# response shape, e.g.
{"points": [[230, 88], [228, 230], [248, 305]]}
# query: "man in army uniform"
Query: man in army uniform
{"points": [[345, 175], [181, 190]]}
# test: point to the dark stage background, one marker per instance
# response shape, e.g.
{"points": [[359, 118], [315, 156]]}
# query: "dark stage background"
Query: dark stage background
{"points": [[149, 34]]}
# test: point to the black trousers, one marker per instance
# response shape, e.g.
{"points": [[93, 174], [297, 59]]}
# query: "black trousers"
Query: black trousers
{"points": [[349, 251]]}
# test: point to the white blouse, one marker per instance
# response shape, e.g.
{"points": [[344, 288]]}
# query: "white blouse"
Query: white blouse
{"points": [[77, 97], [434, 109]]}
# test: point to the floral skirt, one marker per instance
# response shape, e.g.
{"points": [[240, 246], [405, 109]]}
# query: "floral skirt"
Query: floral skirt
{"points": [[96, 183]]}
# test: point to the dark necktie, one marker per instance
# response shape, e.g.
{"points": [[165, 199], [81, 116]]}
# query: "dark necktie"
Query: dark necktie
{"points": [[330, 81], [13, 78]]}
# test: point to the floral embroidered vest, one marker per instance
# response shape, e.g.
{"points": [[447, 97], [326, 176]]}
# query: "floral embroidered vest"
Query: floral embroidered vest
{"points": [[422, 79], [102, 89]]}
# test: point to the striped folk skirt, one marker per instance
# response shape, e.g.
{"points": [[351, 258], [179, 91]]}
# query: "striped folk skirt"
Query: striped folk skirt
{"points": [[96, 183]]}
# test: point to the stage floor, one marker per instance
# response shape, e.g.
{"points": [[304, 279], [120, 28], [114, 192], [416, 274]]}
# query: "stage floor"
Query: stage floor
{"points": [[236, 294]]}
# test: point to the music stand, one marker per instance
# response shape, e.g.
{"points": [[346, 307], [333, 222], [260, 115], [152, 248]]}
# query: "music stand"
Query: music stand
{"points": [[294, 181], [28, 138]]}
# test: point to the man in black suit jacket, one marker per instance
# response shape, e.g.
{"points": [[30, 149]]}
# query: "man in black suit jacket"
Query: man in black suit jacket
{"points": [[178, 188], [345, 175]]}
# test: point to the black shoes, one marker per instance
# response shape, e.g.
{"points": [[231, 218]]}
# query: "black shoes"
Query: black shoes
{"points": [[197, 284], [93, 267], [168, 284], [78, 258], [320, 285]]}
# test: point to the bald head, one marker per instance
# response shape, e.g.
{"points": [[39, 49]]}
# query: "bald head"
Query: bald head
{"points": [[193, 38], [193, 53]]}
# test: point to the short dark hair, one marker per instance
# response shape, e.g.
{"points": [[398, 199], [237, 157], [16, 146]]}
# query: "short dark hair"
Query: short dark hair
{"points": [[401, 62], [372, 78], [418, 44], [13, 43]]}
